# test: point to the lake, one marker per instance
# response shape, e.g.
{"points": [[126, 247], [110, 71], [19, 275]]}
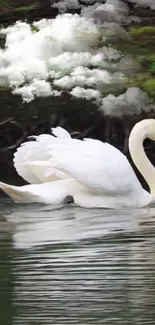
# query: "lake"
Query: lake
{"points": [[68, 265]]}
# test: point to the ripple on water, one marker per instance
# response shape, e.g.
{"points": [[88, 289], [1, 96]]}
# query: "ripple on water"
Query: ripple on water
{"points": [[76, 266]]}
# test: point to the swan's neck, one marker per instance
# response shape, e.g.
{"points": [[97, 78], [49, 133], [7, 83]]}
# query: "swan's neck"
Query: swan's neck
{"points": [[138, 134]]}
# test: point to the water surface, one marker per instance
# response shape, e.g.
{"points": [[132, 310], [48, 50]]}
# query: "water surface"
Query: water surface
{"points": [[67, 265]]}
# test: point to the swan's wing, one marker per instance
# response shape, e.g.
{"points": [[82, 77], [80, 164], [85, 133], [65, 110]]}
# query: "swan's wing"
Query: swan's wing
{"points": [[60, 132], [99, 166], [32, 151], [20, 157], [28, 152], [44, 171]]}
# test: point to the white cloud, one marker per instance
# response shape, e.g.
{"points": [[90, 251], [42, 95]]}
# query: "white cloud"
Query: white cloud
{"points": [[71, 33], [38, 88], [68, 53], [127, 65], [67, 4], [83, 76], [59, 44], [145, 3], [133, 101], [111, 11], [26, 70], [62, 51], [21, 31], [110, 53], [69, 60], [27, 93], [88, 94]]}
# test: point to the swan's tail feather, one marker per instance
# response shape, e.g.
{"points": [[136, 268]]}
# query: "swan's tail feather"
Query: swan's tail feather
{"points": [[17, 194]]}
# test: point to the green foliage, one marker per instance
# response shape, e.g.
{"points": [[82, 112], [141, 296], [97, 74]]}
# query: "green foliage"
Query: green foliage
{"points": [[102, 65], [130, 47], [25, 8], [34, 28], [147, 61], [149, 86], [140, 42], [4, 4], [150, 58], [142, 30], [4, 88], [145, 82], [152, 68], [140, 45], [17, 6]]}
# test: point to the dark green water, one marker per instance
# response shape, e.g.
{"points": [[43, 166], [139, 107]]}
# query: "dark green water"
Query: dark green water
{"points": [[74, 266]]}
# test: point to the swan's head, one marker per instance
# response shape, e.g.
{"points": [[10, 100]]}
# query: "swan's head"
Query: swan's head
{"points": [[142, 130]]}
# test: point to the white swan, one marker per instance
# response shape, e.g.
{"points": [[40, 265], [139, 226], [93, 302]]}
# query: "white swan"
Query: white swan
{"points": [[108, 178], [96, 174]]}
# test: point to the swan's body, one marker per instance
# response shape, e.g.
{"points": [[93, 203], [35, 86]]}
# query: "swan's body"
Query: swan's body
{"points": [[96, 174]]}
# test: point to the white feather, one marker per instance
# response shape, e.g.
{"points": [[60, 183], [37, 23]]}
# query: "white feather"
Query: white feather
{"points": [[59, 132], [44, 171], [29, 154]]}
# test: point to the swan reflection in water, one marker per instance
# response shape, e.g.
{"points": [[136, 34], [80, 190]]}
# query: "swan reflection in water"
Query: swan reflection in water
{"points": [[74, 265], [40, 224]]}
